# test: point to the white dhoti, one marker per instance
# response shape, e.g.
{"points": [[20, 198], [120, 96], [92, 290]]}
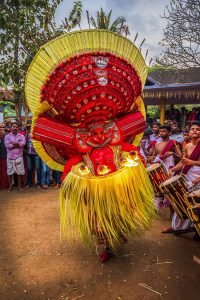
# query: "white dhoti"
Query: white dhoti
{"points": [[192, 174], [177, 223], [15, 166]]}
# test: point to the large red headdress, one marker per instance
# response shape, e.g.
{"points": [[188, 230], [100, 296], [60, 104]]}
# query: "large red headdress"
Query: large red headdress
{"points": [[81, 79]]}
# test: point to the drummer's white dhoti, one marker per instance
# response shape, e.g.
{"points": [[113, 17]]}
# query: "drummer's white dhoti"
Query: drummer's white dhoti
{"points": [[177, 223]]}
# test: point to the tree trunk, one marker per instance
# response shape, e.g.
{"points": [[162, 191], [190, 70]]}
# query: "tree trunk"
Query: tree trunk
{"points": [[26, 111], [16, 79]]}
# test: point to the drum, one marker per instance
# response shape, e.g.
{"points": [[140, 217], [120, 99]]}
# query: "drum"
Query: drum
{"points": [[174, 190], [157, 174], [193, 199]]}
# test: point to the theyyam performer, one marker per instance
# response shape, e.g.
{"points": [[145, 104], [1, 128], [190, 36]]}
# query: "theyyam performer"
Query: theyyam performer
{"points": [[85, 93]]}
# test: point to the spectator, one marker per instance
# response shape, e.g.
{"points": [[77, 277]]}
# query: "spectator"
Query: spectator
{"points": [[3, 128], [188, 125], [33, 160], [56, 179], [45, 176], [192, 115], [184, 118], [155, 136], [15, 142], [8, 126], [197, 118], [176, 134], [186, 138], [3, 169], [176, 115]]}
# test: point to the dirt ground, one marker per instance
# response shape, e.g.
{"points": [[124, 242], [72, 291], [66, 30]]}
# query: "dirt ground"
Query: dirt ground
{"points": [[35, 264]]}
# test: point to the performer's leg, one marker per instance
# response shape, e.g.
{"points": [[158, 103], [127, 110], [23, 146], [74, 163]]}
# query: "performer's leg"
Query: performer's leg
{"points": [[104, 250]]}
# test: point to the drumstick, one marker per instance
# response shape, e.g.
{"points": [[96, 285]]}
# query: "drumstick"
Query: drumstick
{"points": [[177, 149]]}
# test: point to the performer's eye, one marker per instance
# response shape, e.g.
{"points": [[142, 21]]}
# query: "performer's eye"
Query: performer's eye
{"points": [[96, 162]]}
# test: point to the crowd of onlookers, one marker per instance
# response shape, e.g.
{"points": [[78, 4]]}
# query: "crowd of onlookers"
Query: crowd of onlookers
{"points": [[182, 116], [19, 163]]}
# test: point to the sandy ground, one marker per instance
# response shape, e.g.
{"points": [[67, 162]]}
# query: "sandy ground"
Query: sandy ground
{"points": [[35, 264]]}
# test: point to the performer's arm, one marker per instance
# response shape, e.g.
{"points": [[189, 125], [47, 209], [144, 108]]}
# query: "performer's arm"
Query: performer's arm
{"points": [[72, 161]]}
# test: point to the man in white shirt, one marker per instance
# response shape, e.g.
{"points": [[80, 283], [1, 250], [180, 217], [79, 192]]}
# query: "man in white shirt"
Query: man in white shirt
{"points": [[176, 134], [155, 136]]}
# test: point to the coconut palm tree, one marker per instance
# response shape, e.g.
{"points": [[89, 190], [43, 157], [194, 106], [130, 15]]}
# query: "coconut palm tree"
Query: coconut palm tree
{"points": [[103, 21], [75, 15]]}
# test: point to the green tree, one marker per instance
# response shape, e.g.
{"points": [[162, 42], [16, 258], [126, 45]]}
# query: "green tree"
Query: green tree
{"points": [[75, 15], [25, 26], [103, 21]]}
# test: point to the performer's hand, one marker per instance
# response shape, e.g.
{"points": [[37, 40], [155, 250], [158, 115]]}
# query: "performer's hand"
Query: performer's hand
{"points": [[187, 161]]}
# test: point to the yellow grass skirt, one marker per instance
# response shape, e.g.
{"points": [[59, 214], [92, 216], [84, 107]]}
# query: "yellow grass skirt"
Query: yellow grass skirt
{"points": [[110, 206]]}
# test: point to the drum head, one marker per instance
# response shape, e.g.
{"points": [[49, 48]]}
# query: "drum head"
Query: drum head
{"points": [[153, 167], [172, 180]]}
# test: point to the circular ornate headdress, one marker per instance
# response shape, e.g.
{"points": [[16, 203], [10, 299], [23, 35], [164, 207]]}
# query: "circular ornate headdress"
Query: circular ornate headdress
{"points": [[81, 78]]}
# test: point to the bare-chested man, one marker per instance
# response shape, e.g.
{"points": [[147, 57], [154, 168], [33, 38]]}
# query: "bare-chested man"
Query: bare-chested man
{"points": [[165, 151], [189, 164]]}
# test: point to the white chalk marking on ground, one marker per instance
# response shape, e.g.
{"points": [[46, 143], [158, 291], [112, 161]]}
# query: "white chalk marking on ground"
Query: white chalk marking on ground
{"points": [[149, 288]]}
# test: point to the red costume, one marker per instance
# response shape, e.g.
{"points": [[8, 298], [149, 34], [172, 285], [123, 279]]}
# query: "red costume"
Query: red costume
{"points": [[84, 90]]}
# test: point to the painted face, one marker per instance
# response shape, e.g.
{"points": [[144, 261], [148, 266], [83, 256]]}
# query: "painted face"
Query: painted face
{"points": [[98, 135]]}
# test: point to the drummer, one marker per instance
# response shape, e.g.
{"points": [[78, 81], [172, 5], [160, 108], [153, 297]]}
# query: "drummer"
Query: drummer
{"points": [[165, 151], [189, 166], [190, 163]]}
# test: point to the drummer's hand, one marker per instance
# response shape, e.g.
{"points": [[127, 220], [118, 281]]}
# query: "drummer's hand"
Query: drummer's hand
{"points": [[150, 158], [187, 161], [196, 181], [170, 173], [167, 154]]}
